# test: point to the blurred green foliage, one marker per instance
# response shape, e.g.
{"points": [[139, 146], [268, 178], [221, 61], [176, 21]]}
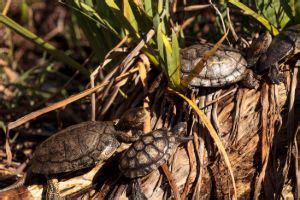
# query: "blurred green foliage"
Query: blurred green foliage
{"points": [[278, 13], [273, 14]]}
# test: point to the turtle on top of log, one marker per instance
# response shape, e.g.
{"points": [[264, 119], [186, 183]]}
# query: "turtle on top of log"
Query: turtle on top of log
{"points": [[89, 143], [225, 67], [228, 66], [152, 150]]}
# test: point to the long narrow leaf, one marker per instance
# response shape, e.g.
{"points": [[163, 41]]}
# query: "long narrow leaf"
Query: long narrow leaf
{"points": [[148, 5], [128, 13], [91, 13], [160, 47], [174, 70], [213, 134], [112, 4], [167, 43]]}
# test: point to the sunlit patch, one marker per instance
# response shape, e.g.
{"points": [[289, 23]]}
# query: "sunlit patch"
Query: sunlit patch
{"points": [[142, 158], [131, 153], [138, 145], [152, 152], [148, 139], [158, 134], [160, 144], [132, 163]]}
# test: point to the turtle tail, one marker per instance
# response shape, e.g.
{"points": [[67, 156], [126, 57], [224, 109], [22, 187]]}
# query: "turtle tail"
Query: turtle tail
{"points": [[17, 184]]}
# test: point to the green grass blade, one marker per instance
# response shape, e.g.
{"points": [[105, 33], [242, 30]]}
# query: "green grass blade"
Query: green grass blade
{"points": [[24, 11], [148, 5], [169, 56], [160, 47], [175, 64], [167, 43], [128, 13], [43, 44], [89, 12], [160, 6], [120, 19], [112, 4]]}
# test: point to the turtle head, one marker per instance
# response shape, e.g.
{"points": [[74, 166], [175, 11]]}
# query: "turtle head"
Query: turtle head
{"points": [[130, 125], [258, 48], [133, 119], [179, 131]]}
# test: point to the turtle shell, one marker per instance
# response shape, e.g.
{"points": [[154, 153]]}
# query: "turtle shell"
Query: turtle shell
{"points": [[75, 147], [284, 45], [148, 153], [225, 67]]}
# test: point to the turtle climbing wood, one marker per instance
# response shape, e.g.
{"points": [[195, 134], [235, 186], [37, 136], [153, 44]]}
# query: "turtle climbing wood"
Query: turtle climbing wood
{"points": [[151, 151], [225, 67]]}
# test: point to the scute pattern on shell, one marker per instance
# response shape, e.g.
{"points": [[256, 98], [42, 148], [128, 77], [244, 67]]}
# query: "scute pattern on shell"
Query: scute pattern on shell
{"points": [[68, 150], [156, 149], [225, 67]]}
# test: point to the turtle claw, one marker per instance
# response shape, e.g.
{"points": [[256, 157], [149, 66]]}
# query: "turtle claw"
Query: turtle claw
{"points": [[277, 79], [252, 80]]}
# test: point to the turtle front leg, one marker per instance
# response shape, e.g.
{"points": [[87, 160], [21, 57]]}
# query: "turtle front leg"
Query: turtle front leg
{"points": [[275, 76], [252, 80], [214, 111], [128, 136], [52, 192]]}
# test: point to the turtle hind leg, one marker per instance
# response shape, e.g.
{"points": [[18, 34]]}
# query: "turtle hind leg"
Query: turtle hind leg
{"points": [[251, 80], [52, 191], [135, 190]]}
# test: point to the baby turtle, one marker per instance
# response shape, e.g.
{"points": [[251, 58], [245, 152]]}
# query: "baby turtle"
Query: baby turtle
{"points": [[225, 67], [151, 151], [284, 46], [83, 145]]}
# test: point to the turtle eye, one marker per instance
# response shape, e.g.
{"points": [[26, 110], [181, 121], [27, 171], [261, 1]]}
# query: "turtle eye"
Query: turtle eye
{"points": [[139, 113]]}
